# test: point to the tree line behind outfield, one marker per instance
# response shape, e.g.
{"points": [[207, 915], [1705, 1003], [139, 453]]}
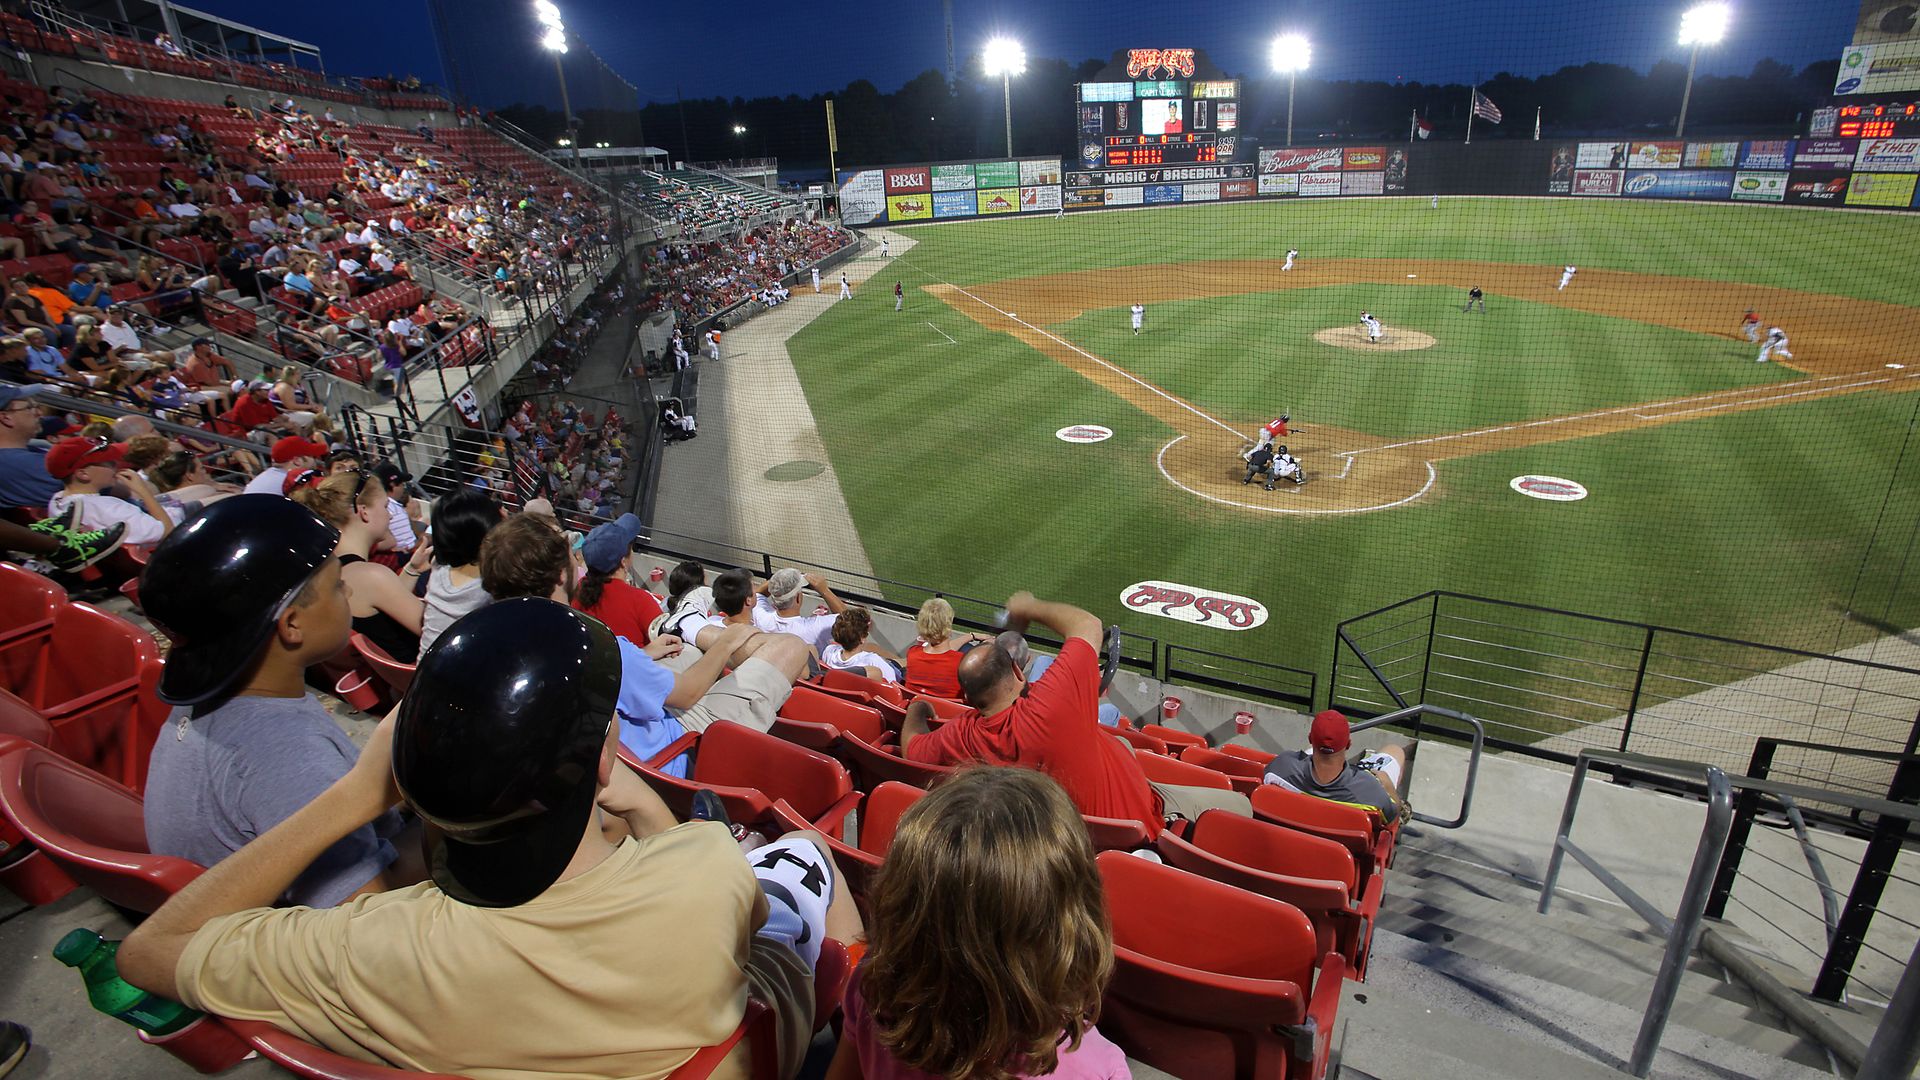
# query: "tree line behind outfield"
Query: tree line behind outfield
{"points": [[922, 121]]}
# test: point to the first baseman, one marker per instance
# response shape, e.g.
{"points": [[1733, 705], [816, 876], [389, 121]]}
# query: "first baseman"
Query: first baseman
{"points": [[1776, 343], [1475, 296], [1139, 317], [886, 246], [1566, 276], [846, 289]]}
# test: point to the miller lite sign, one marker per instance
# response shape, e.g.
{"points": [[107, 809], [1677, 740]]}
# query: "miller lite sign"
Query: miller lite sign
{"points": [[1204, 607]]}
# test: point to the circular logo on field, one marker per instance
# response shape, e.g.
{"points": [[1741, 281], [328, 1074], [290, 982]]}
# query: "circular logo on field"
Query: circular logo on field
{"points": [[1084, 433], [1550, 488]]}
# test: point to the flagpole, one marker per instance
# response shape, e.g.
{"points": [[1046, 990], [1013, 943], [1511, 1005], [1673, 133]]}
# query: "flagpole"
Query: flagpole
{"points": [[1413, 122], [1473, 95], [1536, 123]]}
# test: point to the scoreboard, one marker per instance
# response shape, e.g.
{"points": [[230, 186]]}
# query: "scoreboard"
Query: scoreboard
{"points": [[1160, 115], [1894, 120]]}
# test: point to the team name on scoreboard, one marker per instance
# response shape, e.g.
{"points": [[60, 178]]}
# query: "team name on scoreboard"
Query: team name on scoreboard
{"points": [[1149, 61], [1120, 177]]}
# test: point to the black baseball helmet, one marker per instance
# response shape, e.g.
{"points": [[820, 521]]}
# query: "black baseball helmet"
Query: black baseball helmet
{"points": [[1282, 449], [498, 745], [218, 583], [1285, 416]]}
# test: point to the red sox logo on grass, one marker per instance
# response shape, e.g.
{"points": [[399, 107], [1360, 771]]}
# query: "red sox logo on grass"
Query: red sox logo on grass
{"points": [[1222, 611], [1550, 488], [1084, 433]]}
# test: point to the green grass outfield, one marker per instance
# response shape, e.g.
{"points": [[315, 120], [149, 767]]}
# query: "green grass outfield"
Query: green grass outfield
{"points": [[1764, 524]]}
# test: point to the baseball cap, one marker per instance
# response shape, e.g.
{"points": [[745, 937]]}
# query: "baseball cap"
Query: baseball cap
{"points": [[69, 456], [498, 745], [218, 584], [607, 544], [10, 393], [289, 447], [303, 478], [1330, 731], [785, 585], [391, 474], [81, 268]]}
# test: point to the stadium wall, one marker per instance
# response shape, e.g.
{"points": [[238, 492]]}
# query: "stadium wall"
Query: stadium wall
{"points": [[1857, 173]]}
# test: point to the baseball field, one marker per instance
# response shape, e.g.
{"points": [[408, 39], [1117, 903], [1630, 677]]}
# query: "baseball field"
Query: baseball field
{"points": [[1760, 500]]}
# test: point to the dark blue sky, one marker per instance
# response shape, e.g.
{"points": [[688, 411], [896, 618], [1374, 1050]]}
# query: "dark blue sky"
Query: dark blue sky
{"points": [[759, 47]]}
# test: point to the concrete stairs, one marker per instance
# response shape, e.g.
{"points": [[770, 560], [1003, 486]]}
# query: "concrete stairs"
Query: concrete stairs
{"points": [[1467, 979]]}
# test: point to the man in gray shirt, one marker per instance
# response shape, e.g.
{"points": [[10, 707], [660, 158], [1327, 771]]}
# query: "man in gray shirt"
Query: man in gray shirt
{"points": [[251, 594], [1370, 780]]}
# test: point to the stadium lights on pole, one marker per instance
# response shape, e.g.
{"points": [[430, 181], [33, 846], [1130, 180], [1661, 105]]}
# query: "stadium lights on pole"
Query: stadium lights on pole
{"points": [[1006, 58], [1704, 24], [1291, 53], [739, 129], [554, 40]]}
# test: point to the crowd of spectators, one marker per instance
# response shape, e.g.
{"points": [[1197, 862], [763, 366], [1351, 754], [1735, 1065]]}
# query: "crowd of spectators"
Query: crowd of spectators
{"points": [[583, 459], [699, 280]]}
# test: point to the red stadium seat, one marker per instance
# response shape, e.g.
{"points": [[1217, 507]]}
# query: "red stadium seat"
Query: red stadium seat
{"points": [[397, 675], [1357, 830], [944, 708], [310, 1062], [762, 780], [1243, 774], [879, 817], [27, 603], [25, 871], [762, 1037], [1315, 875], [1116, 834], [1250, 753], [835, 679], [90, 826], [1173, 736], [807, 710], [85, 679], [1227, 988], [874, 765], [1162, 769], [1141, 741]]}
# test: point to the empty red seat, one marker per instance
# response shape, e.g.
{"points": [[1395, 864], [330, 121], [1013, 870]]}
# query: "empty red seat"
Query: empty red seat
{"points": [[815, 720], [1243, 774], [396, 674], [874, 765], [1173, 736], [835, 679], [1161, 769], [85, 678], [1315, 875], [1359, 831], [1140, 740], [879, 818], [762, 780], [1210, 980]]}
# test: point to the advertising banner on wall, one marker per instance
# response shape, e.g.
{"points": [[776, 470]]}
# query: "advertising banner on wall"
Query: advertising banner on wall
{"points": [[952, 204], [997, 200], [1830, 154], [1157, 194], [1280, 184], [1888, 155], [1816, 187], [1084, 198], [1320, 183], [953, 178], [1237, 189], [1125, 196], [1769, 154], [997, 174], [1891, 67], [863, 198], [1656, 155], [1302, 159], [913, 206], [1208, 192], [1712, 155], [1365, 158], [1363, 183], [910, 178], [1596, 181], [1560, 169], [1881, 189], [1689, 184], [1397, 169], [1759, 186], [1040, 173], [1601, 155], [1039, 198], [1171, 174]]}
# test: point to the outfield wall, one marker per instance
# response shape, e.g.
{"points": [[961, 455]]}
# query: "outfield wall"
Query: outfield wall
{"points": [[1860, 173]]}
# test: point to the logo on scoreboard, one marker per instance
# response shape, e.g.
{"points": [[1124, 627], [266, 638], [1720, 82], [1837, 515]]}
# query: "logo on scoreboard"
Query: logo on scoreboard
{"points": [[1151, 62]]}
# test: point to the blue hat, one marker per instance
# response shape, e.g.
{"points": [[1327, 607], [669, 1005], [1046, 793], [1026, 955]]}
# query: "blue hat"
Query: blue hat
{"points": [[10, 393], [606, 545]]}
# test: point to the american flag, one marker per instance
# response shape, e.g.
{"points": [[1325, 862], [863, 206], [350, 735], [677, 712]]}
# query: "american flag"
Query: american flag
{"points": [[1485, 109]]}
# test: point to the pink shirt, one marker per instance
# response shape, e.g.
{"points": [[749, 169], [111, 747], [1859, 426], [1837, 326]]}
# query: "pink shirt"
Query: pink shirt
{"points": [[1096, 1059]]}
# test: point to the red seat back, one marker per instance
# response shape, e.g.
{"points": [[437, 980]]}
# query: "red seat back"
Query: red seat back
{"points": [[92, 827], [1220, 761], [835, 679], [945, 708], [310, 1062], [27, 602], [1140, 740], [1275, 849], [875, 766], [91, 653], [1347, 824], [1115, 834], [395, 674], [881, 814], [734, 756], [1173, 736], [1161, 769], [810, 706], [1250, 753]]}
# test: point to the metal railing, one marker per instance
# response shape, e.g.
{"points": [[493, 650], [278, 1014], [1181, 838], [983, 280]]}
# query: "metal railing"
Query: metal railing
{"points": [[1897, 1038], [1415, 716]]}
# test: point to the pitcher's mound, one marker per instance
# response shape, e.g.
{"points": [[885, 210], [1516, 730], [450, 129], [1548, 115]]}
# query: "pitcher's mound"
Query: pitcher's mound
{"points": [[1353, 337]]}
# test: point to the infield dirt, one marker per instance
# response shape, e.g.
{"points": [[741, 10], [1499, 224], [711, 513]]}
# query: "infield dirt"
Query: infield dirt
{"points": [[1841, 344]]}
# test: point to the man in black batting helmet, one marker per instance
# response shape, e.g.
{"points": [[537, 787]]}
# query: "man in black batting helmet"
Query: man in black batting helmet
{"points": [[251, 595], [569, 918]]}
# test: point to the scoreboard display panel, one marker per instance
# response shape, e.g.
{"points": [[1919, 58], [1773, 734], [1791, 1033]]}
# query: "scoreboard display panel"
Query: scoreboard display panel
{"points": [[1891, 120], [1160, 115]]}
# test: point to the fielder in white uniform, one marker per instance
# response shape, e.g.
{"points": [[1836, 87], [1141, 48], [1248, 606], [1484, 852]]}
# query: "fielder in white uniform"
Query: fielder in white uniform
{"points": [[1566, 276], [1292, 254], [1139, 317], [1776, 343], [886, 246], [1373, 326], [1286, 467], [846, 290], [713, 344], [1436, 202], [816, 279]]}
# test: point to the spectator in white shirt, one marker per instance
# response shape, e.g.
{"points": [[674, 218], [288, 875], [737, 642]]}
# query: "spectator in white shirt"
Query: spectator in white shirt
{"points": [[291, 454], [118, 334], [852, 649], [400, 510], [87, 467], [777, 610]]}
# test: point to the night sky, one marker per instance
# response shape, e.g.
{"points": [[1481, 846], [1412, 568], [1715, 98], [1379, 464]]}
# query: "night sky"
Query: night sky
{"points": [[759, 48]]}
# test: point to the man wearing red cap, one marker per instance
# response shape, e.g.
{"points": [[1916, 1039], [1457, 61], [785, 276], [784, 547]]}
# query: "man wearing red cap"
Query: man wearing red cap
{"points": [[88, 467], [1371, 780], [290, 454]]}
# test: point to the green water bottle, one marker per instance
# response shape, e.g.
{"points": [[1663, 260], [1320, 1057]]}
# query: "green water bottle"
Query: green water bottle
{"points": [[115, 996]]}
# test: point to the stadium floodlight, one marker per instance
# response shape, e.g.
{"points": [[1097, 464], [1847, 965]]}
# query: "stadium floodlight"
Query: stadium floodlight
{"points": [[553, 38], [1703, 24], [1291, 53], [1006, 58], [739, 129]]}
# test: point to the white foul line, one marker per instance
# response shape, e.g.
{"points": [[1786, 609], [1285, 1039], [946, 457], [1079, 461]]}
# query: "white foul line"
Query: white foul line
{"points": [[1775, 397], [1129, 376], [943, 334], [1160, 462]]}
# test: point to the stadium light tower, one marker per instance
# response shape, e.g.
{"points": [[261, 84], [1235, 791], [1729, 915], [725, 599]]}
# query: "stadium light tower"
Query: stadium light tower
{"points": [[554, 40], [1704, 24], [1291, 54], [1006, 58]]}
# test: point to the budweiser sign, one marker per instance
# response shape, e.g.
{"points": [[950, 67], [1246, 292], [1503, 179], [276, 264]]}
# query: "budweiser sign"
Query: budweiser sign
{"points": [[1223, 611], [1150, 62]]}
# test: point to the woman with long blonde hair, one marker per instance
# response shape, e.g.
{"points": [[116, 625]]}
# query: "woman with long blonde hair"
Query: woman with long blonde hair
{"points": [[933, 661]]}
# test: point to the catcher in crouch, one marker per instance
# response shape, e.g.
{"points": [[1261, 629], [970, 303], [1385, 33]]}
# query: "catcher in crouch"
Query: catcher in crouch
{"points": [[1276, 463]]}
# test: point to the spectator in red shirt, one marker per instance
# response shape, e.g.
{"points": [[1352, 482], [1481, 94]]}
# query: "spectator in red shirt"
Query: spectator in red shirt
{"points": [[1053, 726], [251, 411], [934, 659], [606, 593]]}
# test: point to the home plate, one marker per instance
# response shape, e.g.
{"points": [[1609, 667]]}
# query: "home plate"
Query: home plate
{"points": [[1898, 367], [1413, 275]]}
